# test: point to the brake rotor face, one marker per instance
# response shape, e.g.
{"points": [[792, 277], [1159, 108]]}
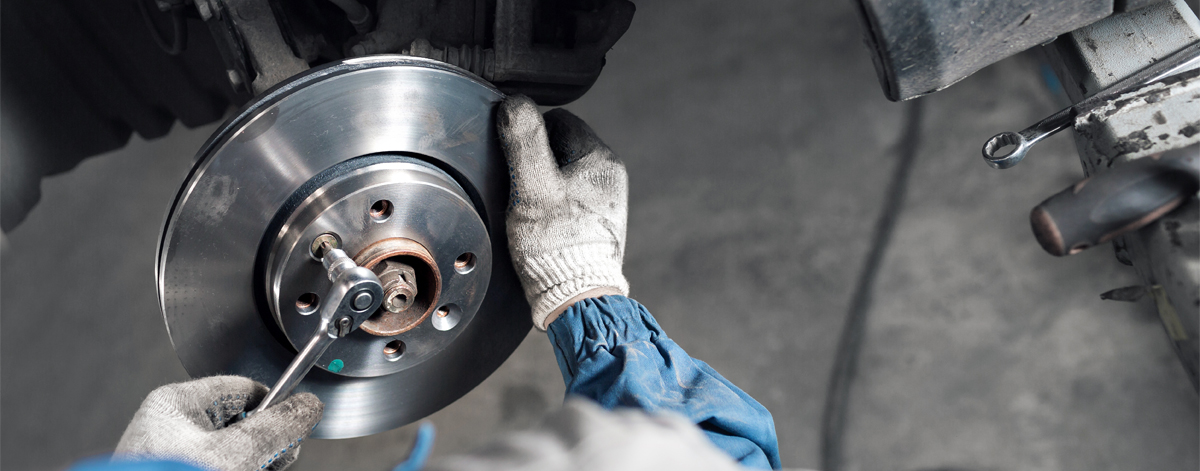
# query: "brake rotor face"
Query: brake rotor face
{"points": [[394, 157]]}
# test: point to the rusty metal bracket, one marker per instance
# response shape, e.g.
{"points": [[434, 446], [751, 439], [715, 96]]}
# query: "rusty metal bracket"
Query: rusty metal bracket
{"points": [[254, 50], [552, 72]]}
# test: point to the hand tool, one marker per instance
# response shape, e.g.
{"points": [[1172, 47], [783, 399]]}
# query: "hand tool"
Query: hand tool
{"points": [[1180, 61], [1124, 198], [355, 295]]}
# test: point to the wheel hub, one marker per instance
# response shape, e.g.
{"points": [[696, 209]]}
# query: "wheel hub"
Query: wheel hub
{"points": [[407, 221], [395, 161]]}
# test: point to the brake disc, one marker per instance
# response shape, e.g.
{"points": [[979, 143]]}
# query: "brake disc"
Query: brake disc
{"points": [[393, 159]]}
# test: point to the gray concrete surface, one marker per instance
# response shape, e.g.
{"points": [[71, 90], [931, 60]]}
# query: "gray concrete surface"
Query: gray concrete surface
{"points": [[759, 146]]}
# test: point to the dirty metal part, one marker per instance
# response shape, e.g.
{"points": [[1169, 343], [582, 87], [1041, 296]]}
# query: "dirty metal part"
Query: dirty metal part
{"points": [[1126, 198], [1099, 55], [1121, 6], [1121, 252], [1020, 143], [479, 61], [229, 44], [1148, 121], [1127, 294], [550, 51], [407, 269], [1165, 251], [1108, 51], [252, 44], [520, 60], [448, 181], [920, 47], [357, 14], [401, 289], [349, 301], [442, 22]]}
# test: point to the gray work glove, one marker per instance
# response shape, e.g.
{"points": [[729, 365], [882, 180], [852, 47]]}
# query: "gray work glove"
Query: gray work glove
{"points": [[190, 422], [567, 209]]}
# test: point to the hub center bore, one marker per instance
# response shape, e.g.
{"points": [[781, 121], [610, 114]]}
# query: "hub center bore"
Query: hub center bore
{"points": [[411, 285], [411, 224]]}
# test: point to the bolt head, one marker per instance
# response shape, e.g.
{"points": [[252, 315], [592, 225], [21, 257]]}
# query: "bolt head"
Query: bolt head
{"points": [[317, 248], [399, 299], [362, 301]]}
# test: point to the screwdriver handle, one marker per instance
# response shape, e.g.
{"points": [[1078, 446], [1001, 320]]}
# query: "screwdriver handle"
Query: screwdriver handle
{"points": [[1123, 199]]}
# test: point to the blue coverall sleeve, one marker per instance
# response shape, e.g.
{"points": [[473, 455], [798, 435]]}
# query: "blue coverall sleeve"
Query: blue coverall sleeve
{"points": [[610, 349]]}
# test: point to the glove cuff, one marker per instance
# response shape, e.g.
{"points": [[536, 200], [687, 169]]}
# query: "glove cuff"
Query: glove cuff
{"points": [[562, 275]]}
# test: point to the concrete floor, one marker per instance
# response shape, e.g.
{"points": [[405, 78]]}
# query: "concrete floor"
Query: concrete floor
{"points": [[759, 147]]}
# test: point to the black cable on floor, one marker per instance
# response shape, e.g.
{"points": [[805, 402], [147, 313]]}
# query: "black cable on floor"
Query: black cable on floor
{"points": [[845, 364]]}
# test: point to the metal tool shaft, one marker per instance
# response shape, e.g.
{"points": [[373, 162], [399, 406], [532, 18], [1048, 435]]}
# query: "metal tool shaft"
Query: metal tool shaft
{"points": [[1180, 61], [355, 295], [299, 368]]}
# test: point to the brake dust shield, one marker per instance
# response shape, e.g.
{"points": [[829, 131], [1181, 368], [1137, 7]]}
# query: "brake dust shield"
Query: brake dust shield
{"points": [[397, 159]]}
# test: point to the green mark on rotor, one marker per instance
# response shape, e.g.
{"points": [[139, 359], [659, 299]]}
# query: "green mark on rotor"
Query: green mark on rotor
{"points": [[336, 366]]}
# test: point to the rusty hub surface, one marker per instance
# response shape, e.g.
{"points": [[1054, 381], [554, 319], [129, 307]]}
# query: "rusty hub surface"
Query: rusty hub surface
{"points": [[411, 284]]}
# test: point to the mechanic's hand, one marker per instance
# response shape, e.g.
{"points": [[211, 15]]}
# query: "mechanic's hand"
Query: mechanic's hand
{"points": [[191, 422], [567, 209]]}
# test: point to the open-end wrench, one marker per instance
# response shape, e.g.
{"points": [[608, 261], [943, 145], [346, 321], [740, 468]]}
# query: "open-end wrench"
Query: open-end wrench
{"points": [[1180, 61], [355, 295]]}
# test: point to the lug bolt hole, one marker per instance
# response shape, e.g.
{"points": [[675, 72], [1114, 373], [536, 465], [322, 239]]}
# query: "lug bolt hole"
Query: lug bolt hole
{"points": [[393, 350], [446, 317], [307, 303], [464, 263], [381, 210]]}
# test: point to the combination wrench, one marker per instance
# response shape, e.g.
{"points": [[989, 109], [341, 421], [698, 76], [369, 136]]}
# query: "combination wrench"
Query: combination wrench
{"points": [[1180, 61]]}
